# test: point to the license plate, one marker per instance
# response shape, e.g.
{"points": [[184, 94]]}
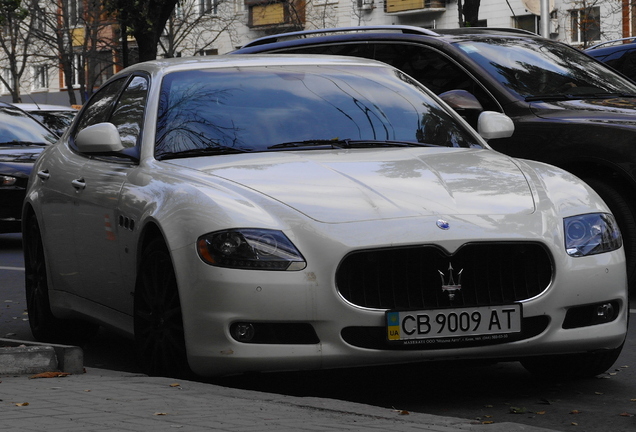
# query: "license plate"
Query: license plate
{"points": [[472, 324]]}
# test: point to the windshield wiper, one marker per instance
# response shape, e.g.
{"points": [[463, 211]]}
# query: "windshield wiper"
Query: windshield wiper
{"points": [[344, 143], [311, 144], [206, 151], [23, 143], [575, 96], [551, 97]]}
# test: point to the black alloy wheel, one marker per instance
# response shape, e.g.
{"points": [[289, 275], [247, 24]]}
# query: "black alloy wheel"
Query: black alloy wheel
{"points": [[158, 321], [44, 325]]}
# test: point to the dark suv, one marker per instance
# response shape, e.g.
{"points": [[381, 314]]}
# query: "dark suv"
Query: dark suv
{"points": [[619, 54], [569, 109]]}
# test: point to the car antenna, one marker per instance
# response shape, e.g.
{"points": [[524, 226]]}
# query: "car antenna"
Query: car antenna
{"points": [[34, 102]]}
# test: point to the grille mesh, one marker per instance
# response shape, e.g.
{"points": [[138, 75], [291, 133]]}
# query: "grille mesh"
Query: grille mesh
{"points": [[409, 278]]}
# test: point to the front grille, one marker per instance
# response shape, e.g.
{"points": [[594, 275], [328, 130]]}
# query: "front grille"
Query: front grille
{"points": [[478, 274]]}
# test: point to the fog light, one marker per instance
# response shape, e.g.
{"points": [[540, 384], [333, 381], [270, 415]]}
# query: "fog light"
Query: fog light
{"points": [[605, 311], [243, 332], [593, 314]]}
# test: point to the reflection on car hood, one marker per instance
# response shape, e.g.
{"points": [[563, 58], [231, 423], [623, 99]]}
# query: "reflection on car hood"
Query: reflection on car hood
{"points": [[345, 186], [618, 109], [17, 161]]}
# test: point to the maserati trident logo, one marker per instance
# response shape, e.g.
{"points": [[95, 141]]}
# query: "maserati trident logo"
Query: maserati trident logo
{"points": [[448, 284], [442, 224]]}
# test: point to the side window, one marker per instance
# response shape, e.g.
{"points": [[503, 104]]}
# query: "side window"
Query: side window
{"points": [[428, 66], [129, 111], [626, 63], [100, 105]]}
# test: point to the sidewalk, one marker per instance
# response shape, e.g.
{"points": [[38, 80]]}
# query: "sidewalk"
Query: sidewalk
{"points": [[103, 400]]}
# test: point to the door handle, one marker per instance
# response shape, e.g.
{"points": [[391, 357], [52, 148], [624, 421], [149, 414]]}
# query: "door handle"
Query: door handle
{"points": [[44, 175], [79, 184]]}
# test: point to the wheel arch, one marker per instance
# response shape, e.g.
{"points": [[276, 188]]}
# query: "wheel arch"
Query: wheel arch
{"points": [[617, 179], [608, 173], [27, 212], [150, 232]]}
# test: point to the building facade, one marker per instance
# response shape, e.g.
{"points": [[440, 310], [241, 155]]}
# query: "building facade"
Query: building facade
{"points": [[95, 49]]}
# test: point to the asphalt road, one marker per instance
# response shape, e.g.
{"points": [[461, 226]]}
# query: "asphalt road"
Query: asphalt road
{"points": [[502, 392]]}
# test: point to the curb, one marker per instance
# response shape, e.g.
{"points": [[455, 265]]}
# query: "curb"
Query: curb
{"points": [[19, 357]]}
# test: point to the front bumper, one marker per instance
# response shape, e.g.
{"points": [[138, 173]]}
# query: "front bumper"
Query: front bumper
{"points": [[216, 299]]}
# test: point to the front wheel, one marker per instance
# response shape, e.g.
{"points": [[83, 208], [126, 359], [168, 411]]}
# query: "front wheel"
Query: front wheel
{"points": [[158, 322], [45, 327], [572, 366]]}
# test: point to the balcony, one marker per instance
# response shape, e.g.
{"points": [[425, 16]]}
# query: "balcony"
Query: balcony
{"points": [[414, 6], [285, 15]]}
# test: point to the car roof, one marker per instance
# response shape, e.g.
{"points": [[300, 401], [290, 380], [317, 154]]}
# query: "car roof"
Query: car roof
{"points": [[42, 107], [614, 44], [165, 66], [390, 31]]}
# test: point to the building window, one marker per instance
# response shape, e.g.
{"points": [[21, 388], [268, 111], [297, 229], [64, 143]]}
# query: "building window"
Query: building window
{"points": [[101, 67], [208, 52], [75, 12], [76, 69], [208, 7], [6, 76], [527, 22], [586, 25], [289, 14], [40, 78], [40, 17]]}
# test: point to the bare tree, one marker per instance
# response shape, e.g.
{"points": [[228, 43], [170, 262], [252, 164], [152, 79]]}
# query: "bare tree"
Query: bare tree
{"points": [[470, 13], [361, 10], [145, 20], [320, 14], [590, 20], [195, 27], [76, 34], [15, 37]]}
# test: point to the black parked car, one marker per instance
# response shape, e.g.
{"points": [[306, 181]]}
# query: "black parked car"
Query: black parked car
{"points": [[569, 109], [55, 117], [22, 139], [619, 54]]}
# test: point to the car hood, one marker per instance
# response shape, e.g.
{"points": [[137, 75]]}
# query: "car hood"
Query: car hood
{"points": [[616, 110], [346, 186], [16, 160]]}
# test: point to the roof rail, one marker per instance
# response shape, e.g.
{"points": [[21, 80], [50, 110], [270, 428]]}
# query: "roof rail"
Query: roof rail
{"points": [[598, 45], [471, 30], [299, 34]]}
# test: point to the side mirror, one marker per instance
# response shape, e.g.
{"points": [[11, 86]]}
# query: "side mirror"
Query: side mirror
{"points": [[492, 125], [99, 138], [461, 100], [465, 103]]}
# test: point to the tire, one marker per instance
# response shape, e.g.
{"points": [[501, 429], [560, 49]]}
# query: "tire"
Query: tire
{"points": [[45, 327], [158, 320], [623, 206], [572, 366]]}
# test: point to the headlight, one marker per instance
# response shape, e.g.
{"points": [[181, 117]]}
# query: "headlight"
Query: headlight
{"points": [[7, 180], [591, 234], [248, 248]]}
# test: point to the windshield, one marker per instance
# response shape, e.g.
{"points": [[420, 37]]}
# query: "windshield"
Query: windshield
{"points": [[17, 128], [278, 108], [533, 68], [57, 121]]}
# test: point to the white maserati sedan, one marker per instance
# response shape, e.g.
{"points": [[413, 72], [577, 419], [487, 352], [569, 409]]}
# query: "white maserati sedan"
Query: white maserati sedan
{"points": [[262, 213]]}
